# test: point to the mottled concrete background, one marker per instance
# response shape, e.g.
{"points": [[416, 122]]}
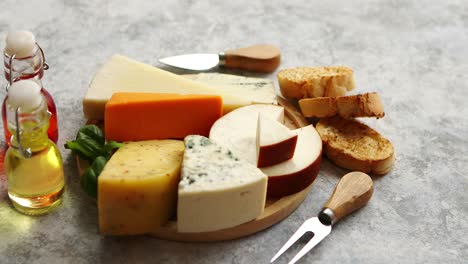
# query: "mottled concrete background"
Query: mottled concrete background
{"points": [[414, 53]]}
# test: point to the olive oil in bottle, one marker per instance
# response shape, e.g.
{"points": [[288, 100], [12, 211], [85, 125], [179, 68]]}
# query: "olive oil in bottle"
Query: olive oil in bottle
{"points": [[33, 163]]}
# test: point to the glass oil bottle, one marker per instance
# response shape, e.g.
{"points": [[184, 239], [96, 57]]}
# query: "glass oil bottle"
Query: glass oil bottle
{"points": [[24, 59], [33, 163]]}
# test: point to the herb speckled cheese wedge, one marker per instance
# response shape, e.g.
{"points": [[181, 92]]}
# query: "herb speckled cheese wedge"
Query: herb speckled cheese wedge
{"points": [[137, 190]]}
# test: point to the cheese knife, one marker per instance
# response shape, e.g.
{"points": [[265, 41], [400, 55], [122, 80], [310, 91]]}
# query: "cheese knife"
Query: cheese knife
{"points": [[257, 58], [352, 192]]}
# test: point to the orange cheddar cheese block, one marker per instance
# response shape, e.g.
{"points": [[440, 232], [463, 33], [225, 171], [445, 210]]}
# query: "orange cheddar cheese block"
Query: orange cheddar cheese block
{"points": [[146, 116]]}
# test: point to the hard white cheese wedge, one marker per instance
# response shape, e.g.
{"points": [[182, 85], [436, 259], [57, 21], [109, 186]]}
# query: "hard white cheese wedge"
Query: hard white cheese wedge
{"points": [[259, 90], [121, 74], [217, 190]]}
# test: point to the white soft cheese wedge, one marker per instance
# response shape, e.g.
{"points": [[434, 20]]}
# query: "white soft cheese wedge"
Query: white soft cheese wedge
{"points": [[217, 190], [275, 142], [121, 74], [238, 129], [259, 90]]}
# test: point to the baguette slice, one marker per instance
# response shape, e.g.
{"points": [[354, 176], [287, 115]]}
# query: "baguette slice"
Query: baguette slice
{"points": [[318, 107], [310, 82], [361, 105], [355, 146]]}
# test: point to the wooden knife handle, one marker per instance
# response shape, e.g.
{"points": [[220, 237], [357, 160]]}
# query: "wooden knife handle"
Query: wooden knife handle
{"points": [[352, 192], [258, 58]]}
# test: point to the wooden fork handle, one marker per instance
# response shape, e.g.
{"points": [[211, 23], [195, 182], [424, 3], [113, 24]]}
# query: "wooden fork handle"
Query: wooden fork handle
{"points": [[352, 192], [258, 58]]}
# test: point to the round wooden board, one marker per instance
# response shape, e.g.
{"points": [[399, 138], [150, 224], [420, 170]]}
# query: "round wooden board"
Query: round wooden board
{"points": [[276, 209]]}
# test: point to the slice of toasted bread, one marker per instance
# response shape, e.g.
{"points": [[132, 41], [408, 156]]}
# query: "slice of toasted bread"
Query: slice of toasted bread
{"points": [[318, 107], [355, 146], [361, 105], [310, 82]]}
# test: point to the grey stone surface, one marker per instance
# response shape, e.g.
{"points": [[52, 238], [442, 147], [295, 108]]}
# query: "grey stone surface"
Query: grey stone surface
{"points": [[414, 53]]}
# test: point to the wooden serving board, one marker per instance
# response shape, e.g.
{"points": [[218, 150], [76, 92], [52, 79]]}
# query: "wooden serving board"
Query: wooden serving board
{"points": [[276, 209]]}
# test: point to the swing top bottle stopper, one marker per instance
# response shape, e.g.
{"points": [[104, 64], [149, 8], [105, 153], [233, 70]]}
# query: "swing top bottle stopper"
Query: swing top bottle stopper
{"points": [[26, 94], [20, 43]]}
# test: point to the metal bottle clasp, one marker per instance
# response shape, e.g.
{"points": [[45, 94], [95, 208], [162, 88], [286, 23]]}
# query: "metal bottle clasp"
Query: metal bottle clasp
{"points": [[27, 153]]}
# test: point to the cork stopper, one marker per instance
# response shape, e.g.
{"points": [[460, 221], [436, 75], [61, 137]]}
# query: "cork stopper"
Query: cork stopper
{"points": [[20, 43], [25, 94]]}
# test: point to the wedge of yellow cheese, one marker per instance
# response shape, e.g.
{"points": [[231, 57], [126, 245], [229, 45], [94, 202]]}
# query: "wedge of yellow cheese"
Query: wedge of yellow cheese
{"points": [[137, 190], [121, 74]]}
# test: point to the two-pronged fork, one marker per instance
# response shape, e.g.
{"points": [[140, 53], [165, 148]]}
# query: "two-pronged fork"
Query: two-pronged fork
{"points": [[352, 192]]}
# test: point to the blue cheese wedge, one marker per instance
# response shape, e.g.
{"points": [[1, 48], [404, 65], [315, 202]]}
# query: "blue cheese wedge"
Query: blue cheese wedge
{"points": [[257, 90], [217, 190]]}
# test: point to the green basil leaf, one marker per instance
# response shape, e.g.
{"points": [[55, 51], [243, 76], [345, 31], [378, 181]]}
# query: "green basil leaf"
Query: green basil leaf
{"points": [[99, 149], [111, 146], [94, 132], [89, 182], [90, 145], [99, 164], [85, 148], [89, 179], [83, 151]]}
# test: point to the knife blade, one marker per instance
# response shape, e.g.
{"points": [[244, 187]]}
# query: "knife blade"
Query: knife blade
{"points": [[258, 58], [352, 192]]}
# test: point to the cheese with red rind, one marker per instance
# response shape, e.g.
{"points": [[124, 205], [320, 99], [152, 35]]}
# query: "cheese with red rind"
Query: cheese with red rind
{"points": [[238, 129], [299, 172], [275, 142]]}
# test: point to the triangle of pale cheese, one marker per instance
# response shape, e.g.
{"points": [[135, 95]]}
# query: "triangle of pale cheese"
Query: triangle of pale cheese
{"points": [[275, 142], [121, 74], [217, 189]]}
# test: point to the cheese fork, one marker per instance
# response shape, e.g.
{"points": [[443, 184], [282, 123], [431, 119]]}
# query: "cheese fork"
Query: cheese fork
{"points": [[352, 192]]}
